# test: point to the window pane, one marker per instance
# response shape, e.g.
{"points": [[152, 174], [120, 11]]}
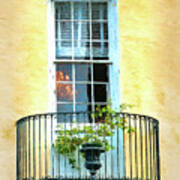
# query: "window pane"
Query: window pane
{"points": [[100, 50], [63, 10], [81, 10], [63, 72], [64, 30], [64, 92], [99, 10], [83, 93], [99, 31], [83, 72], [81, 30], [64, 49], [83, 117], [81, 50], [100, 94], [83, 107], [65, 107], [100, 72]]}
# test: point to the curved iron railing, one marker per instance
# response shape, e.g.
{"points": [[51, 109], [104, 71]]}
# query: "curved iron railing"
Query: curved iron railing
{"points": [[136, 154]]}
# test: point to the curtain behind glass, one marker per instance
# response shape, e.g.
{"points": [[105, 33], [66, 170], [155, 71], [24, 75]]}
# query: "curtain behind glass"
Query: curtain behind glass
{"points": [[81, 30]]}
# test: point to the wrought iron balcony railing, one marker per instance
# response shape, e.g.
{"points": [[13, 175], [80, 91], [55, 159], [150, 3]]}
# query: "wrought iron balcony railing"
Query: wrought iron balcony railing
{"points": [[135, 156]]}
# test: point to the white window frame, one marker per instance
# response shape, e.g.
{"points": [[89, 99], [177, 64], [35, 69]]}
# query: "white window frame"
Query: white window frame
{"points": [[114, 52]]}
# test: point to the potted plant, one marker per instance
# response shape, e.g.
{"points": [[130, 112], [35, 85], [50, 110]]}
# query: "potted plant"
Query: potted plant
{"points": [[90, 139]]}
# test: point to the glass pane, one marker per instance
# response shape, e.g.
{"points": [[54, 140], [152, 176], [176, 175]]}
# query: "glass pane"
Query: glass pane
{"points": [[99, 31], [81, 50], [83, 93], [63, 72], [83, 107], [99, 11], [100, 93], [64, 30], [100, 72], [64, 108], [83, 117], [81, 30], [100, 50], [64, 92], [64, 49], [63, 10], [83, 72], [81, 10]]}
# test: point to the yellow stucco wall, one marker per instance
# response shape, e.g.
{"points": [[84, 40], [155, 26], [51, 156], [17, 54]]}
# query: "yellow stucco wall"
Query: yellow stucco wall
{"points": [[23, 71], [150, 36], [150, 41]]}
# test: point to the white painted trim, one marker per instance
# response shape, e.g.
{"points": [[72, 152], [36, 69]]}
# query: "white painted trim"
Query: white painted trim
{"points": [[114, 53]]}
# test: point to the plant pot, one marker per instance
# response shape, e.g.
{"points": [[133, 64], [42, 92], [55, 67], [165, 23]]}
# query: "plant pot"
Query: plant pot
{"points": [[92, 152]]}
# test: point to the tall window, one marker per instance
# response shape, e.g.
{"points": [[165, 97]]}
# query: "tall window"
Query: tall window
{"points": [[82, 58]]}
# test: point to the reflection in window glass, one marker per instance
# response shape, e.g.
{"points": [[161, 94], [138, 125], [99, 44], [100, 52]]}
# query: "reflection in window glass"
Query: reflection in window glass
{"points": [[99, 11], [63, 10], [99, 31], [83, 93], [81, 50], [81, 31], [83, 72], [65, 107], [64, 92], [81, 10], [81, 34], [100, 50], [63, 72]]}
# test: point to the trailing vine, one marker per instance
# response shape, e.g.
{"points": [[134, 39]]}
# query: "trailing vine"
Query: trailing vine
{"points": [[68, 142]]}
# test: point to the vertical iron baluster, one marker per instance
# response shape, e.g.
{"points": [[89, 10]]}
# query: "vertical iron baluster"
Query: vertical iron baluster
{"points": [[130, 147], [22, 146], [39, 146], [17, 152], [141, 140], [25, 123], [29, 143], [150, 147], [146, 142], [79, 164], [59, 157], [136, 150], [124, 148], [118, 153], [112, 159], [34, 147], [154, 149], [65, 161], [52, 150], [158, 151], [45, 145]]}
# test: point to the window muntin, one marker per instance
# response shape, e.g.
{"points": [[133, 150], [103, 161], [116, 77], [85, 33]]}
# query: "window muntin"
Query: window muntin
{"points": [[81, 30], [81, 34]]}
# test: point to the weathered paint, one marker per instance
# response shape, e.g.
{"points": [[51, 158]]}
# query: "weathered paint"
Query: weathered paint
{"points": [[23, 73], [150, 37]]}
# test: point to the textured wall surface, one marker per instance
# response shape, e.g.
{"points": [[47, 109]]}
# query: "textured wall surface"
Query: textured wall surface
{"points": [[150, 36], [150, 41], [23, 71]]}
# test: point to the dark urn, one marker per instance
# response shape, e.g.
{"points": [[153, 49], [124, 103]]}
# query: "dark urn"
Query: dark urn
{"points": [[92, 152]]}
